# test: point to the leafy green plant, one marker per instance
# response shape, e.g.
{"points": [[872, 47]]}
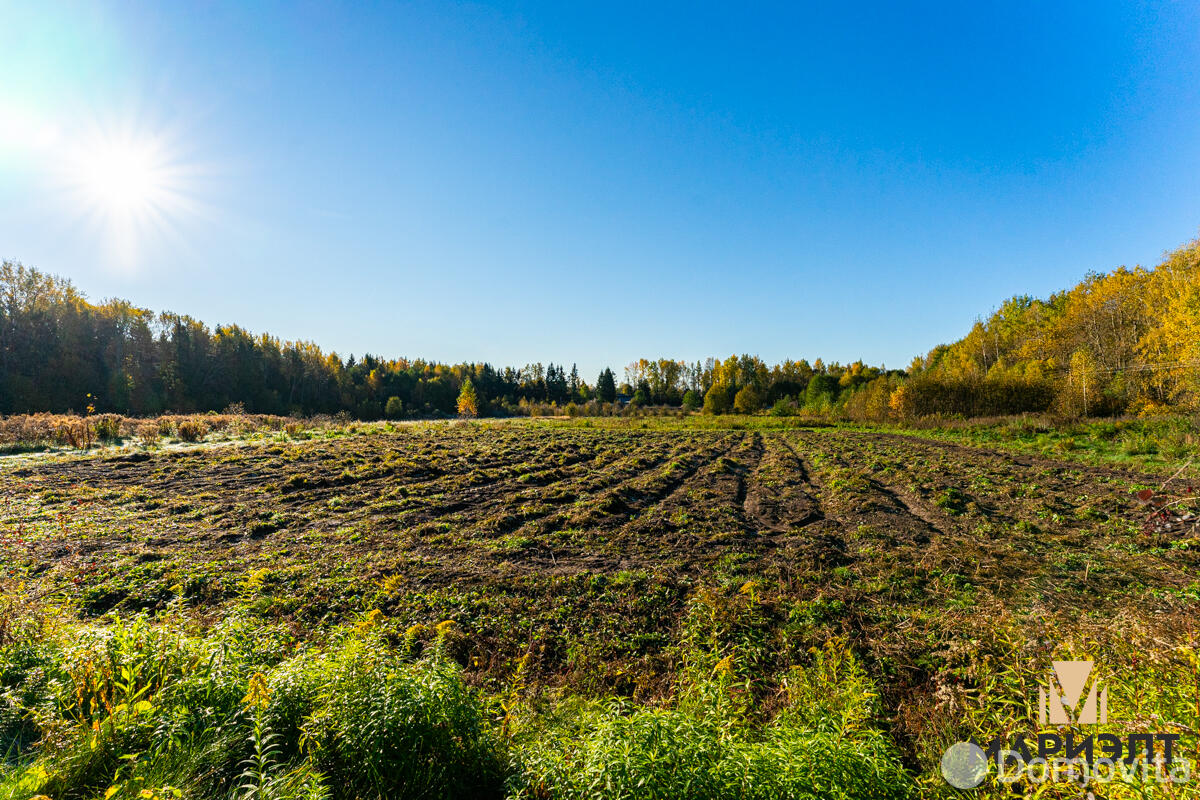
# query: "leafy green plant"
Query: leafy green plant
{"points": [[698, 750], [107, 427], [388, 727]]}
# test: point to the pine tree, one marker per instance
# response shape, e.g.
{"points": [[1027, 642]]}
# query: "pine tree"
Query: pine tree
{"points": [[606, 387], [556, 384], [642, 397]]}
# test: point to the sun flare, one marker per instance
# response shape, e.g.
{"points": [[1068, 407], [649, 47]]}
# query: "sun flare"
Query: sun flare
{"points": [[129, 185], [123, 178]]}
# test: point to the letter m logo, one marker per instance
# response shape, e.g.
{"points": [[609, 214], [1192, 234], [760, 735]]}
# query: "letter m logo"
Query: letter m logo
{"points": [[1070, 699]]}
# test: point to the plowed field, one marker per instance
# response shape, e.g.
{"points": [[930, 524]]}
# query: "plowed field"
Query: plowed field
{"points": [[575, 550]]}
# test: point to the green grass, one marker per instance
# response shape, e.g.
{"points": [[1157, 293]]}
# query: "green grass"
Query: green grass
{"points": [[131, 709], [1151, 443]]}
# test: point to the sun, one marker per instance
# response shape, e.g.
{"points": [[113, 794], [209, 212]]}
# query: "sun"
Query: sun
{"points": [[123, 179], [127, 184], [126, 180], [120, 179]]}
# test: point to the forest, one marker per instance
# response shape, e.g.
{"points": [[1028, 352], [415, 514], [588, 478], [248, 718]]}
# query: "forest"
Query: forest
{"points": [[1126, 341]]}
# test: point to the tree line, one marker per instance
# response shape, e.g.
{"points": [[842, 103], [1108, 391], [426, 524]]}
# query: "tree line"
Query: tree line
{"points": [[1126, 341], [60, 352]]}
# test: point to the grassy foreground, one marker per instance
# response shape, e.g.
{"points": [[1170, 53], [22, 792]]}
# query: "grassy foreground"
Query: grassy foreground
{"points": [[572, 609], [132, 709]]}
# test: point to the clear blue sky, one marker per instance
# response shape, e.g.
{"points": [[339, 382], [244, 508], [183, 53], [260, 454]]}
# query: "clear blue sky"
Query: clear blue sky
{"points": [[596, 182]]}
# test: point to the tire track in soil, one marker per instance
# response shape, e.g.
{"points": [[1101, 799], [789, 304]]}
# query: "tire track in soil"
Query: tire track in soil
{"points": [[1010, 492], [246, 468], [897, 504], [879, 507], [823, 541], [1024, 461], [484, 497], [635, 505], [784, 509], [229, 479], [504, 477], [627, 493], [654, 534], [1001, 542], [899, 500], [372, 487], [649, 455], [1015, 503], [806, 473], [740, 498], [751, 451], [642, 503], [464, 559]]}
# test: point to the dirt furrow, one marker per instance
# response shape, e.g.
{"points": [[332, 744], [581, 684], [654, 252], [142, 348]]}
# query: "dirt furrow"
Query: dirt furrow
{"points": [[778, 499]]}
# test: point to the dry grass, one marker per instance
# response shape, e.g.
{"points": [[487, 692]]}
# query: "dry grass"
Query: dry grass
{"points": [[24, 432]]}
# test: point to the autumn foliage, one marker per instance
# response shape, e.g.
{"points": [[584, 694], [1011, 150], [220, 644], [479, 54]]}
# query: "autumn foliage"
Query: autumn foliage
{"points": [[1125, 342]]}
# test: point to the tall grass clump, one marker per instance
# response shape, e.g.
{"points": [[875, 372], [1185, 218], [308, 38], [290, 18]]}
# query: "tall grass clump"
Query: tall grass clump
{"points": [[707, 744], [385, 726], [611, 751], [139, 710]]}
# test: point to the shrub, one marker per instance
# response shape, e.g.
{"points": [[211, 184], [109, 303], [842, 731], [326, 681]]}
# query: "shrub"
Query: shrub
{"points": [[149, 432], [747, 400], [784, 407], [716, 399], [403, 730], [928, 395], [107, 427], [209, 714], [691, 400], [875, 401], [821, 392], [192, 430], [641, 396], [31, 431]]}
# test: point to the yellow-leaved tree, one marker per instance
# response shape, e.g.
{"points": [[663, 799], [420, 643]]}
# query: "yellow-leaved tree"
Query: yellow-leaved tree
{"points": [[468, 400], [1171, 349]]}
